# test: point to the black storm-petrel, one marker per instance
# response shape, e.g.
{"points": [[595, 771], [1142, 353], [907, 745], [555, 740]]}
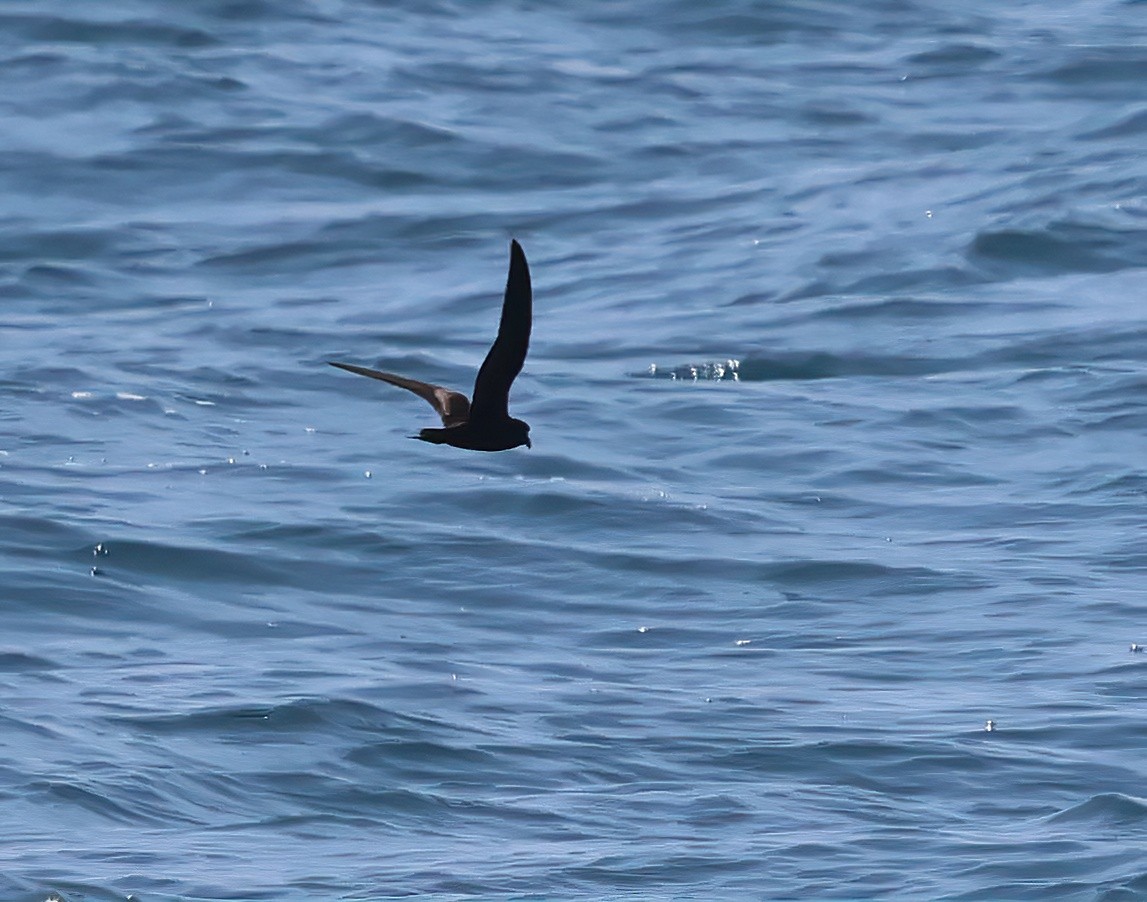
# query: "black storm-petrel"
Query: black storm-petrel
{"points": [[484, 424]]}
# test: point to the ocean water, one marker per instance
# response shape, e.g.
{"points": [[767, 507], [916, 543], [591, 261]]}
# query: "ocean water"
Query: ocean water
{"points": [[838, 392]]}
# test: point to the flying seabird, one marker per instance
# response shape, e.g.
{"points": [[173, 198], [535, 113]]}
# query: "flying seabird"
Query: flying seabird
{"points": [[484, 424]]}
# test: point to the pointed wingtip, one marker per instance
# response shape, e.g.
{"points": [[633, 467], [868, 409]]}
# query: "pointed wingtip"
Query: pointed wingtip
{"points": [[519, 268]]}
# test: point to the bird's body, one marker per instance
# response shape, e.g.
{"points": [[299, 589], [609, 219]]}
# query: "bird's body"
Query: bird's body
{"points": [[483, 424], [501, 437]]}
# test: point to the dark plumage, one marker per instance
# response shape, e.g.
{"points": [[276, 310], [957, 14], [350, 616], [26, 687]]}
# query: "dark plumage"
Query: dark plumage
{"points": [[485, 423]]}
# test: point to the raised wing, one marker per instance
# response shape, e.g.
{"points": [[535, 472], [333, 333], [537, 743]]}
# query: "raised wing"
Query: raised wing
{"points": [[508, 353], [452, 406]]}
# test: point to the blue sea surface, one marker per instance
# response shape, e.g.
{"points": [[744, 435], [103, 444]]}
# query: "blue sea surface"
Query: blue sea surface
{"points": [[838, 396]]}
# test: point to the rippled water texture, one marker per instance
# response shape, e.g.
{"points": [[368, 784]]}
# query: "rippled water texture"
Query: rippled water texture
{"points": [[838, 399]]}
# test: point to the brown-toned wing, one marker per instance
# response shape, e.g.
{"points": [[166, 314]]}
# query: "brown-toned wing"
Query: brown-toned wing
{"points": [[452, 406], [508, 353]]}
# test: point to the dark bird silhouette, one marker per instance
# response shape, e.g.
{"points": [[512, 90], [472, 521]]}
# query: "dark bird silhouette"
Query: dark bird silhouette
{"points": [[484, 424]]}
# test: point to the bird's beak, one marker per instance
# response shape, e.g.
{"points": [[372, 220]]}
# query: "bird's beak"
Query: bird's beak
{"points": [[529, 444]]}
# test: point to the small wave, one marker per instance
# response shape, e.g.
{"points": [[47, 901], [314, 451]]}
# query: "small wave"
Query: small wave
{"points": [[796, 366], [51, 29], [18, 662], [1064, 247], [294, 716], [1135, 124], [1112, 808], [187, 563], [713, 371], [948, 56]]}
